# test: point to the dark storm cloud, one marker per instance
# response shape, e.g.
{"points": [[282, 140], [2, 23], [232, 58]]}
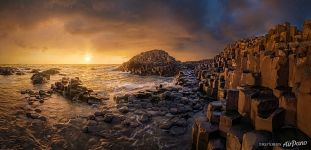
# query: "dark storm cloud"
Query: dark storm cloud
{"points": [[201, 26]]}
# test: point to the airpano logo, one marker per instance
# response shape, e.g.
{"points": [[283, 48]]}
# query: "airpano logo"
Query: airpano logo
{"points": [[294, 143]]}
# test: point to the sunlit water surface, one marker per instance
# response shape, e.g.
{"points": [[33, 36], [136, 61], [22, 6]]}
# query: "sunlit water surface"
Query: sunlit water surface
{"points": [[101, 78]]}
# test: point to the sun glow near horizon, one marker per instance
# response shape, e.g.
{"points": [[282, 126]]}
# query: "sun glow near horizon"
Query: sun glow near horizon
{"points": [[88, 58], [91, 58]]}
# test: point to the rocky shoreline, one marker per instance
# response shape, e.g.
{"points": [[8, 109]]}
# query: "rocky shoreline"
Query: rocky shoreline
{"points": [[166, 111]]}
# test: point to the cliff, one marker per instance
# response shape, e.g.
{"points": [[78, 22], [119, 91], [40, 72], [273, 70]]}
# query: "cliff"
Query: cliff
{"points": [[154, 62], [260, 87]]}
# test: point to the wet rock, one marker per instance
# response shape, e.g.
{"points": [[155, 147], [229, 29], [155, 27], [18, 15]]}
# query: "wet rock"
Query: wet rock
{"points": [[91, 117], [169, 115], [32, 115], [144, 118], [23, 92], [182, 122], [93, 129], [38, 110], [42, 118], [175, 130], [51, 71], [100, 118], [153, 113], [20, 73], [197, 106], [99, 113], [93, 100], [173, 110], [91, 123], [165, 124], [166, 95], [108, 118], [42, 93], [35, 71], [75, 91], [124, 109], [143, 95], [149, 105], [7, 70], [39, 78], [36, 116], [130, 123]]}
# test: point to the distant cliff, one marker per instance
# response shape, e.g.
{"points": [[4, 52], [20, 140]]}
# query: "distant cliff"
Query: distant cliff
{"points": [[153, 62]]}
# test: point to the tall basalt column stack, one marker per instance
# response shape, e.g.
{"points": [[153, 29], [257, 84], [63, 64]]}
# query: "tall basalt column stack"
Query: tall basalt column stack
{"points": [[263, 88]]}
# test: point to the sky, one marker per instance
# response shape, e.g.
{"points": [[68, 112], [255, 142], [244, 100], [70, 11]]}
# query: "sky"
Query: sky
{"points": [[112, 31]]}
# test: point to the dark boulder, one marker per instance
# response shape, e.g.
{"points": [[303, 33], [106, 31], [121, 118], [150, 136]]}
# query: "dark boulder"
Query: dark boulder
{"points": [[51, 71], [44, 76], [7, 70], [39, 78]]}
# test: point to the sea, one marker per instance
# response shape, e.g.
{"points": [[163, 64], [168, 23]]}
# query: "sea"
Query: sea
{"points": [[103, 79]]}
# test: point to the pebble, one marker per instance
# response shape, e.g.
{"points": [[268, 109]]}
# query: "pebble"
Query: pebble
{"points": [[38, 110]]}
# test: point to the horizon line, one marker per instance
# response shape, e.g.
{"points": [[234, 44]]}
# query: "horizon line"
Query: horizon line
{"points": [[57, 64]]}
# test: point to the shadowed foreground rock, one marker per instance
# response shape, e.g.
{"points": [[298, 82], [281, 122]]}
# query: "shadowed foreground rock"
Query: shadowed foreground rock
{"points": [[262, 92], [154, 62]]}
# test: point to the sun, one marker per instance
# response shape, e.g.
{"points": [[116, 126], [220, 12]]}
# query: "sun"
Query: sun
{"points": [[87, 58]]}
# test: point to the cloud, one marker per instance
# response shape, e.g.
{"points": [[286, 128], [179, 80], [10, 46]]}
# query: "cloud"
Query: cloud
{"points": [[198, 29]]}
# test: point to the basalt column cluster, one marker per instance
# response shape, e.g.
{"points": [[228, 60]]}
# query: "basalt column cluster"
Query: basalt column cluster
{"points": [[261, 89]]}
